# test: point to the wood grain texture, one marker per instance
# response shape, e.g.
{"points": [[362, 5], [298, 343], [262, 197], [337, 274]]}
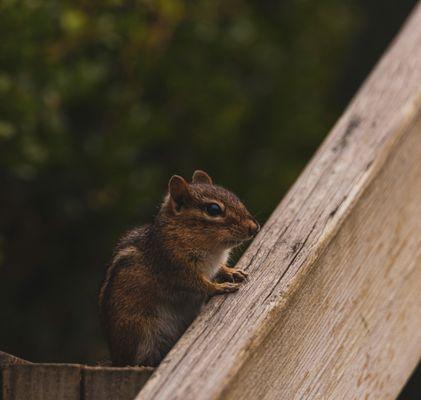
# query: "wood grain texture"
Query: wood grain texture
{"points": [[353, 329], [101, 383], [332, 307], [41, 382]]}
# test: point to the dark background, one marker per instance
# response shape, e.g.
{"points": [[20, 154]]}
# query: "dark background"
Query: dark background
{"points": [[101, 101]]}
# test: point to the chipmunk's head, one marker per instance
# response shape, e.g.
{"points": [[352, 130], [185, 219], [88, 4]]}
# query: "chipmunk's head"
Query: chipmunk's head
{"points": [[209, 215]]}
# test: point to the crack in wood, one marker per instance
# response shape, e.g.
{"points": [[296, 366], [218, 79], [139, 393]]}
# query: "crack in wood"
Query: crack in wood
{"points": [[354, 123], [297, 252], [335, 210]]}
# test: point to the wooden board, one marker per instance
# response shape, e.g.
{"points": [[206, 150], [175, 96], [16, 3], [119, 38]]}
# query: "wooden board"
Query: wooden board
{"points": [[332, 307], [23, 380], [353, 330]]}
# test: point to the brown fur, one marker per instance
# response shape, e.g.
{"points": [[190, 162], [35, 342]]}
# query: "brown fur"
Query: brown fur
{"points": [[162, 273]]}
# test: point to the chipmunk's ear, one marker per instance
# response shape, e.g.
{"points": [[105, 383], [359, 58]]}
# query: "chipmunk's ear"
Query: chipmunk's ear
{"points": [[179, 190], [201, 177]]}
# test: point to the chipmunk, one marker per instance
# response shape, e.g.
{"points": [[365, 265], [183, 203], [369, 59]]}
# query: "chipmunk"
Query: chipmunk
{"points": [[161, 274]]}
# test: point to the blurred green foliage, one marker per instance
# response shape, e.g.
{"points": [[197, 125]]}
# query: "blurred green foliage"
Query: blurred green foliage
{"points": [[101, 101]]}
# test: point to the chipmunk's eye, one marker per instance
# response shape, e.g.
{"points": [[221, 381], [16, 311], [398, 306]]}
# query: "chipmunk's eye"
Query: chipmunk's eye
{"points": [[213, 209]]}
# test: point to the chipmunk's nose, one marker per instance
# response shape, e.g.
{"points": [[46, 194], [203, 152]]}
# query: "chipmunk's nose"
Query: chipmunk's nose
{"points": [[253, 227]]}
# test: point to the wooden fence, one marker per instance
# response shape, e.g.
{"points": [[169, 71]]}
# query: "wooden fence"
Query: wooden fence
{"points": [[22, 380], [332, 309]]}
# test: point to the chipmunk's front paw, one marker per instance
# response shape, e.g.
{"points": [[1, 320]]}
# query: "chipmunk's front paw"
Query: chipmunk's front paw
{"points": [[225, 287], [227, 274], [239, 275]]}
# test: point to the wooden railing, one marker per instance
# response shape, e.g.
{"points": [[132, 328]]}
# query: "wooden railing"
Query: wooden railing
{"points": [[332, 309]]}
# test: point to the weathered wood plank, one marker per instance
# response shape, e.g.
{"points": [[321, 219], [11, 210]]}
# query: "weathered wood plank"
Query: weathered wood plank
{"points": [[353, 329], [332, 307], [41, 382], [68, 381], [101, 383]]}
